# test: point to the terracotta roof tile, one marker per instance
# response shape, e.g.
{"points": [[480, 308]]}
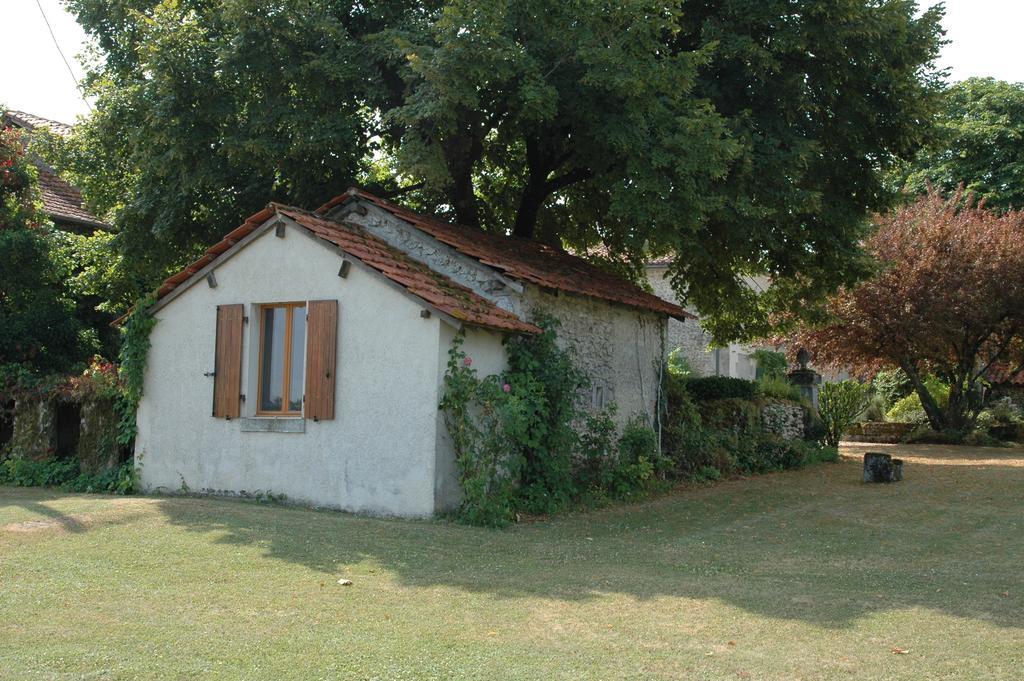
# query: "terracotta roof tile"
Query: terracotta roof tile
{"points": [[61, 201], [434, 288], [524, 260], [31, 122]]}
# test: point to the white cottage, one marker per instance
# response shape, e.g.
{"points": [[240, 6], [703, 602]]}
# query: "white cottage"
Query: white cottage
{"points": [[305, 353]]}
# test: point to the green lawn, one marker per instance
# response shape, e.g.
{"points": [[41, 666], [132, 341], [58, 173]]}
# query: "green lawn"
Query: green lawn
{"points": [[807, 574]]}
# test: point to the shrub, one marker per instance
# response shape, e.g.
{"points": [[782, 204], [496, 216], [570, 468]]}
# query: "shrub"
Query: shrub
{"points": [[678, 365], [721, 387], [770, 364], [707, 474], [839, 404], [909, 409], [779, 388], [639, 458], [891, 385], [66, 474], [596, 448], [732, 415]]}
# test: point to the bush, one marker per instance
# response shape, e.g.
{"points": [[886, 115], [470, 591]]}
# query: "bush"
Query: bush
{"points": [[707, 474], [909, 409], [770, 364], [732, 415], [891, 385], [839, 405], [66, 474], [721, 387], [705, 441], [639, 458], [779, 388], [678, 365]]}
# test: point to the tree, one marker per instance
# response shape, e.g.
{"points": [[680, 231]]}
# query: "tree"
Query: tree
{"points": [[747, 136], [980, 145], [947, 299], [38, 331]]}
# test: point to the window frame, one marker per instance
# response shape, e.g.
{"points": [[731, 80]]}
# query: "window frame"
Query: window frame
{"points": [[290, 308]]}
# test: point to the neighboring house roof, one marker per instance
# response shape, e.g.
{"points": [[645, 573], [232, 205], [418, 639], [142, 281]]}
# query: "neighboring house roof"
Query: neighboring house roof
{"points": [[61, 201], [433, 288], [31, 122], [523, 259]]}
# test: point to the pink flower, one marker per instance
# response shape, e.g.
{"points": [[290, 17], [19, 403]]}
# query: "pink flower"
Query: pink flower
{"points": [[507, 388], [468, 362]]}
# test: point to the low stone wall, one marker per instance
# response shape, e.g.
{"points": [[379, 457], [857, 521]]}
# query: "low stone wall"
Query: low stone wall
{"points": [[785, 419], [884, 432]]}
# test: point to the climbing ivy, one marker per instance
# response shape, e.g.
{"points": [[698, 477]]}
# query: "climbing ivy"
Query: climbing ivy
{"points": [[522, 440], [132, 358]]}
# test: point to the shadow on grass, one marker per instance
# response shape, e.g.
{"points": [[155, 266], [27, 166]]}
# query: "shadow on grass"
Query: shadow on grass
{"points": [[36, 504], [815, 545]]}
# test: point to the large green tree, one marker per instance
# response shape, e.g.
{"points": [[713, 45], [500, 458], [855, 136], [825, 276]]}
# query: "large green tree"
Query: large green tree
{"points": [[747, 136], [39, 333], [980, 145]]}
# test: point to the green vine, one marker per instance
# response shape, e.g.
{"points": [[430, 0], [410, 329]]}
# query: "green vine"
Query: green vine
{"points": [[132, 358], [485, 419], [522, 441]]}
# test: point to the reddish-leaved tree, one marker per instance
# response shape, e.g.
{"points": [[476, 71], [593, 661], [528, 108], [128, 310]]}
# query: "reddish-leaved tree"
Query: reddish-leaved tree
{"points": [[947, 299]]}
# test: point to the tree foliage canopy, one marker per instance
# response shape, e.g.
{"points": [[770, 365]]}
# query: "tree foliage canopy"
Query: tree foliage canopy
{"points": [[746, 136], [980, 145], [38, 331], [948, 300]]}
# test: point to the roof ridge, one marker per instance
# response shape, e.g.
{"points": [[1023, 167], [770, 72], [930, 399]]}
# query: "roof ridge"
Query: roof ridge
{"points": [[432, 287]]}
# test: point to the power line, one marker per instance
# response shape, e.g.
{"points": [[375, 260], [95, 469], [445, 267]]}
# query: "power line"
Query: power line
{"points": [[71, 71]]}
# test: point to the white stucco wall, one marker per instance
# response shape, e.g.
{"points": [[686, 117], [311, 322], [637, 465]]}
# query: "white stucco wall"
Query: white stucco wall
{"points": [[486, 350], [377, 455]]}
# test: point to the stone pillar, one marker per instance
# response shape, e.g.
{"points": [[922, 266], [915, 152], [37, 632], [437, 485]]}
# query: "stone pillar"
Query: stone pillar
{"points": [[98, 450], [35, 429], [808, 380]]}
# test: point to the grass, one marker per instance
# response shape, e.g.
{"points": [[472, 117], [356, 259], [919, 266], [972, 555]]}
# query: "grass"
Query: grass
{"points": [[802, 575]]}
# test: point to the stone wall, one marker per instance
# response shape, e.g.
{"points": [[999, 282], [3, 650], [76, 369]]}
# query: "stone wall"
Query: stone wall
{"points": [[95, 446], [688, 335], [621, 349], [785, 419], [98, 450], [734, 360], [35, 429], [482, 280]]}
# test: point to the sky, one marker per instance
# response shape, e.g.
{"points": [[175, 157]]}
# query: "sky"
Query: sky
{"points": [[984, 34]]}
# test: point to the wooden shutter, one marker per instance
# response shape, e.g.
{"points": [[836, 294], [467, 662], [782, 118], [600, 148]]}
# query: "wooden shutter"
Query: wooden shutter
{"points": [[321, 354], [227, 368]]}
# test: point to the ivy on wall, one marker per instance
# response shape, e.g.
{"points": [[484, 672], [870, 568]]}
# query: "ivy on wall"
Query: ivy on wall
{"points": [[132, 358], [523, 442]]}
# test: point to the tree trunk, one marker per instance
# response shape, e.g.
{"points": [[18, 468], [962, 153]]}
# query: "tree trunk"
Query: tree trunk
{"points": [[936, 417], [461, 152], [529, 208]]}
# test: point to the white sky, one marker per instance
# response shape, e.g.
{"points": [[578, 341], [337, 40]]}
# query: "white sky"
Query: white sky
{"points": [[985, 37]]}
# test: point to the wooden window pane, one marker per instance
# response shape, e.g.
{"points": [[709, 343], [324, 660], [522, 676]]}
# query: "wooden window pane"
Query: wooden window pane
{"points": [[296, 365], [272, 370]]}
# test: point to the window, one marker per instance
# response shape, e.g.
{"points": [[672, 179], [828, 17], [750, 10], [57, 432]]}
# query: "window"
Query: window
{"points": [[282, 359]]}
